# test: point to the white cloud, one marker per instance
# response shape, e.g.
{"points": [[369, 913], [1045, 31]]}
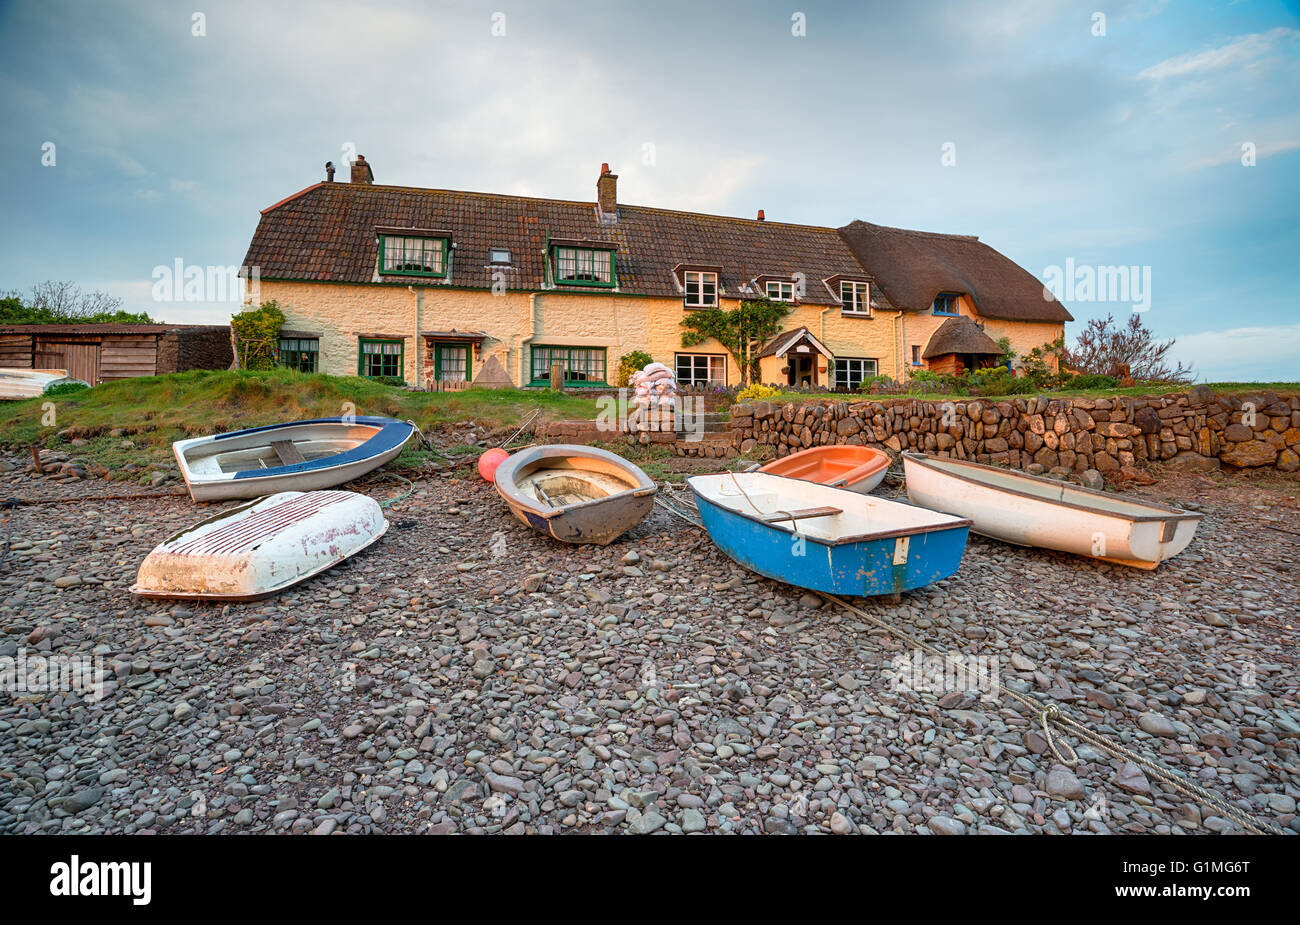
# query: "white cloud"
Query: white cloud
{"points": [[1237, 52], [1267, 353], [1234, 155]]}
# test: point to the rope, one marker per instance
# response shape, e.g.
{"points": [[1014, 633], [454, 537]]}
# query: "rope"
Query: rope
{"points": [[1053, 721]]}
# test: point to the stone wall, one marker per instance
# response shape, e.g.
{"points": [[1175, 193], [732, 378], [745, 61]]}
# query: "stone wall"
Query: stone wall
{"points": [[198, 347], [1196, 430]]}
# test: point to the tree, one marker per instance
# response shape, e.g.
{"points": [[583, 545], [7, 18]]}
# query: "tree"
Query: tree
{"points": [[255, 336], [742, 331], [1105, 348], [64, 302]]}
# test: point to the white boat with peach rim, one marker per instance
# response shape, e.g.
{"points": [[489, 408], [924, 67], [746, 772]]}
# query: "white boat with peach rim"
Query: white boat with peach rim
{"points": [[575, 494], [1028, 510], [262, 547]]}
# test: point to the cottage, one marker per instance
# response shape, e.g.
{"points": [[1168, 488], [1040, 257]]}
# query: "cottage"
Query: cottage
{"points": [[97, 353], [443, 288], [960, 345]]}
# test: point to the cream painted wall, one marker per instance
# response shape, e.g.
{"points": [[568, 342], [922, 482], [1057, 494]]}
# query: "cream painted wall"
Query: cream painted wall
{"points": [[514, 321]]}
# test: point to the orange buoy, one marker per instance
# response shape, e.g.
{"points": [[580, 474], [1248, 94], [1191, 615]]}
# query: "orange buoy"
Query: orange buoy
{"points": [[488, 462]]}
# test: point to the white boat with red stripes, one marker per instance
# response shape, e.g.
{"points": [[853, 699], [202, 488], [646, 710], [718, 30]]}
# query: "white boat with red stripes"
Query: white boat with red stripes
{"points": [[259, 548]]}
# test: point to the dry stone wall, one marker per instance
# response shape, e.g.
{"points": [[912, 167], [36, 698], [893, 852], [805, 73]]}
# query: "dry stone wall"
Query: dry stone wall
{"points": [[1195, 430]]}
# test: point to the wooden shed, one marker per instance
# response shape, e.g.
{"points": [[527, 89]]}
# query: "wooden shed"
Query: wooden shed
{"points": [[97, 353]]}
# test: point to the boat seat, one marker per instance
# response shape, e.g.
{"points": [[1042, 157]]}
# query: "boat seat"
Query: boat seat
{"points": [[288, 453], [802, 514]]}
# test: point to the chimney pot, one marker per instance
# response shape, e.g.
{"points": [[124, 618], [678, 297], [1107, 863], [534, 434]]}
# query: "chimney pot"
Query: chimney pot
{"points": [[761, 216], [361, 172], [607, 194], [329, 171]]}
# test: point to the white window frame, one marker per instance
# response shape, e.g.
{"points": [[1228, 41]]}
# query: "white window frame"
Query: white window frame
{"points": [[862, 370], [781, 286], [700, 280], [712, 361], [847, 304]]}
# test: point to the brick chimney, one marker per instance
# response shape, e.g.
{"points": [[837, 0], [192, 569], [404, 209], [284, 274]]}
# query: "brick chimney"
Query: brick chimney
{"points": [[607, 193], [361, 172], [761, 216]]}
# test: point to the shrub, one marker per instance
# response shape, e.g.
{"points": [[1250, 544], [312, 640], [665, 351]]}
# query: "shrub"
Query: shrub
{"points": [[256, 335], [65, 388], [757, 392], [629, 363]]}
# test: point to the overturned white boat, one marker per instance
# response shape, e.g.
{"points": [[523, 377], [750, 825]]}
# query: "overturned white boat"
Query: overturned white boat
{"points": [[262, 547], [299, 456], [1031, 511], [17, 384]]}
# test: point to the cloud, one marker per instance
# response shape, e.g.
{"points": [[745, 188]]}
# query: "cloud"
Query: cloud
{"points": [[1237, 52], [1234, 155], [1262, 353]]}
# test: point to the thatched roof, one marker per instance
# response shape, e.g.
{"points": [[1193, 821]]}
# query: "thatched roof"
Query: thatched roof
{"points": [[912, 267], [960, 335]]}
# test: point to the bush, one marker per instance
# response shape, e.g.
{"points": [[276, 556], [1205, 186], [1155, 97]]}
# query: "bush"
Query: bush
{"points": [[1089, 381], [66, 388], [757, 392], [629, 363], [256, 332]]}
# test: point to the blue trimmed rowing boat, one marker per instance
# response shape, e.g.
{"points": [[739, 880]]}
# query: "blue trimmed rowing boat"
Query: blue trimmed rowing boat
{"points": [[294, 456], [827, 539]]}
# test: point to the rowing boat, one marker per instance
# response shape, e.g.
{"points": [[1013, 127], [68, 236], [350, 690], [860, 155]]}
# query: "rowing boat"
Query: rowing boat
{"points": [[261, 547], [17, 384], [1028, 510], [857, 468], [827, 539], [295, 456], [575, 494]]}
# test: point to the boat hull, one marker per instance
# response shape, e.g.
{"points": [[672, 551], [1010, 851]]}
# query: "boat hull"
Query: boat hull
{"points": [[599, 521], [260, 548], [1026, 510], [18, 384], [895, 559], [857, 468], [342, 450]]}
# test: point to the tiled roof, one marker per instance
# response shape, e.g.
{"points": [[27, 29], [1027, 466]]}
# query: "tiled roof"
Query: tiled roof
{"points": [[328, 232], [912, 267]]}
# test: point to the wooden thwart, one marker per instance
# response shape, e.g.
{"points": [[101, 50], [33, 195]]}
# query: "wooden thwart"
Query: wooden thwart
{"points": [[288, 453], [802, 514]]}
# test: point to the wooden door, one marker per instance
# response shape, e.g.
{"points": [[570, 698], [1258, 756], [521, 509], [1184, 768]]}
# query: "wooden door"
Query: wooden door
{"points": [[80, 360]]}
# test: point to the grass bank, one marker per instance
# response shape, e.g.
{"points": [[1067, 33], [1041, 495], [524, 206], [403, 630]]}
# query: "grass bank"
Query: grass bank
{"points": [[152, 412], [1222, 388]]}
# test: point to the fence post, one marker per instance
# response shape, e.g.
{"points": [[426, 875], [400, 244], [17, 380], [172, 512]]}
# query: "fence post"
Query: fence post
{"points": [[557, 376]]}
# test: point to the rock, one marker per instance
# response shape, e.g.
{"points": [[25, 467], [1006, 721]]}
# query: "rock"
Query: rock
{"points": [[1062, 783], [1132, 779], [1091, 478], [840, 825], [647, 823], [1156, 725], [1249, 454], [943, 825], [83, 799], [692, 820]]}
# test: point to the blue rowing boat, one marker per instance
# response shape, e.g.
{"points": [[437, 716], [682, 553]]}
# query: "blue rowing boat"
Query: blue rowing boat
{"points": [[827, 539], [295, 456]]}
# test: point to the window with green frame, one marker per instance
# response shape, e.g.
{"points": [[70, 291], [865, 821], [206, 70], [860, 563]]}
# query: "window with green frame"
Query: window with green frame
{"points": [[381, 358], [299, 353], [451, 362], [582, 266], [582, 365], [406, 256]]}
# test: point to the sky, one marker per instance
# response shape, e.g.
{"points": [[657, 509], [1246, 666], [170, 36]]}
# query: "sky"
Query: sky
{"points": [[1163, 137]]}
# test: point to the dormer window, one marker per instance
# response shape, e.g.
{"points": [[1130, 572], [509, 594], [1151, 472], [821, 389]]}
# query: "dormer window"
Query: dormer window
{"points": [[780, 290], [411, 255], [945, 303], [499, 255], [582, 266], [701, 289], [854, 298]]}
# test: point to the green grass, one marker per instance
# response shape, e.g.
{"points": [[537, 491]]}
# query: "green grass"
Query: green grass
{"points": [[154, 411], [1223, 388]]}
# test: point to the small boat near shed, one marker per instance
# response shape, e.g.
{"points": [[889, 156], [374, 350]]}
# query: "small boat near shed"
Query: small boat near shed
{"points": [[1028, 510], [17, 384], [575, 494], [296, 456], [827, 539]]}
